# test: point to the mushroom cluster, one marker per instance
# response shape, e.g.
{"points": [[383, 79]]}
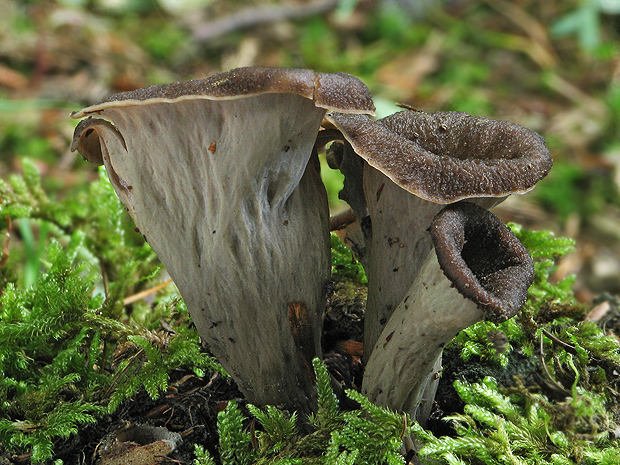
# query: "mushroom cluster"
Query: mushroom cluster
{"points": [[221, 175]]}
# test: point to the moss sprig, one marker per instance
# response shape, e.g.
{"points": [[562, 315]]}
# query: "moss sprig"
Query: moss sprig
{"points": [[371, 435], [520, 427], [344, 263]]}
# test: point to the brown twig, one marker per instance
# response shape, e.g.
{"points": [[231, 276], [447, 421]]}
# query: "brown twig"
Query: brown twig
{"points": [[342, 220], [141, 295], [569, 348], [255, 16], [5, 250], [544, 364]]}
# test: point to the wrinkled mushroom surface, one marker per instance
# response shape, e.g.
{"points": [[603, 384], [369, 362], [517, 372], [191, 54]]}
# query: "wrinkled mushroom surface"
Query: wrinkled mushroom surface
{"points": [[417, 161], [219, 176], [478, 270], [448, 156]]}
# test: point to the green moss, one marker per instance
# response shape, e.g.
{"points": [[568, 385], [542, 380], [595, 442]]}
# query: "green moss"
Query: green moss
{"points": [[521, 427], [57, 336], [370, 435], [59, 331], [344, 263]]}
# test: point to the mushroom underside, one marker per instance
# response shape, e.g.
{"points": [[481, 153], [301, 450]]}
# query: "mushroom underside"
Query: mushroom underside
{"points": [[230, 199]]}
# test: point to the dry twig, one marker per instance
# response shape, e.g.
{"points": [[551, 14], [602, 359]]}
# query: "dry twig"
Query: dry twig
{"points": [[141, 295], [255, 16]]}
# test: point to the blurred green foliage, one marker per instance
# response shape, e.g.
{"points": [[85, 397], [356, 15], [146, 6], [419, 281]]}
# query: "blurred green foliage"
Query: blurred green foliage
{"points": [[571, 190], [473, 66], [585, 23]]}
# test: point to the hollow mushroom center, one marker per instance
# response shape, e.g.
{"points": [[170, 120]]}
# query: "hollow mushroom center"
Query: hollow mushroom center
{"points": [[486, 264], [484, 254]]}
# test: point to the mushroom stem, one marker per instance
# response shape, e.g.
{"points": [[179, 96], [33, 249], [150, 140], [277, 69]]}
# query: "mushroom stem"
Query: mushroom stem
{"points": [[477, 270], [241, 199], [403, 362], [398, 247], [396, 250]]}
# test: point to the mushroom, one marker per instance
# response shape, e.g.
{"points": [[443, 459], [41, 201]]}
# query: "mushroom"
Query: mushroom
{"points": [[221, 178], [478, 270], [440, 158]]}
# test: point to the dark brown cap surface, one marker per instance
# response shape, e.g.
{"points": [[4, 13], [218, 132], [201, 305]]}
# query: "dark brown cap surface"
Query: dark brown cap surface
{"points": [[335, 92], [449, 156]]}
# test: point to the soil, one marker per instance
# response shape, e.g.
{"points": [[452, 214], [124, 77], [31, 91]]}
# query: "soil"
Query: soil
{"points": [[189, 408]]}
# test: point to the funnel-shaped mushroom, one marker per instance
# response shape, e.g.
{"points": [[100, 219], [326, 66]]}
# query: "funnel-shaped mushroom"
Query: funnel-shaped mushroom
{"points": [[220, 176], [478, 270], [417, 161]]}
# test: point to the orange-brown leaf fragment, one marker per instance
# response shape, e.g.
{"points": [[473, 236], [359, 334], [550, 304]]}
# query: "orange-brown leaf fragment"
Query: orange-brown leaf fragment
{"points": [[301, 329]]}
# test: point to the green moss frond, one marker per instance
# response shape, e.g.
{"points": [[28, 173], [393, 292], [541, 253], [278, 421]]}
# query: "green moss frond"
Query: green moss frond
{"points": [[517, 426], [548, 300], [149, 357], [376, 432], [202, 456], [328, 416], [23, 197], [37, 436], [344, 263], [279, 429], [235, 441], [333, 455], [371, 435]]}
